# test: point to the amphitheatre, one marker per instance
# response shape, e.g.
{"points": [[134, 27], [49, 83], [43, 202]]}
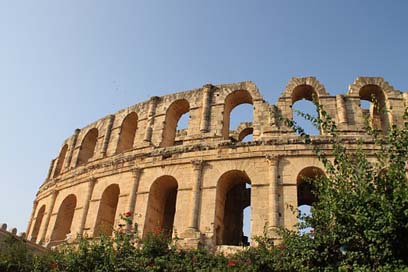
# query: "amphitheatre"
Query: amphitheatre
{"points": [[193, 183]]}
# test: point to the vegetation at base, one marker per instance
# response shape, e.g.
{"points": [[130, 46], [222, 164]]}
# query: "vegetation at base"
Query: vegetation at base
{"points": [[359, 223]]}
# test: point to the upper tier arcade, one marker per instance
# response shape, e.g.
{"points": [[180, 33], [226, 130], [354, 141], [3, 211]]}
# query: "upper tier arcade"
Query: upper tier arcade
{"points": [[150, 126]]}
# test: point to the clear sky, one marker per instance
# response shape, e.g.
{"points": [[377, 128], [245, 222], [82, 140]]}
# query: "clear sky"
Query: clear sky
{"points": [[65, 64]]}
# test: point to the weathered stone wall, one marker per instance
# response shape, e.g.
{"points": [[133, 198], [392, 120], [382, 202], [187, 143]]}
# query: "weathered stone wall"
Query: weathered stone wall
{"points": [[139, 152]]}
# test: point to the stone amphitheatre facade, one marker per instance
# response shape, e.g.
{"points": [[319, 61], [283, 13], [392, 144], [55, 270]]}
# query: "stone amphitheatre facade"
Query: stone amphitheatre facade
{"points": [[192, 182]]}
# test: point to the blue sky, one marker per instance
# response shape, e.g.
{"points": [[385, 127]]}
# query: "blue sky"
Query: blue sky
{"points": [[64, 64]]}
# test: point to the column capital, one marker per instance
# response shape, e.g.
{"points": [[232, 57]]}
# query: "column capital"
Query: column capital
{"points": [[92, 180], [154, 98], [198, 164], [136, 171], [273, 160], [208, 86], [54, 192]]}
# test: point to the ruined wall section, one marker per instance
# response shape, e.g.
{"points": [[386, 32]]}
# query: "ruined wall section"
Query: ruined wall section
{"points": [[206, 111]]}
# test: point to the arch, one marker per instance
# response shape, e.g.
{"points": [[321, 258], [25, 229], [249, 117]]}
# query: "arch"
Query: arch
{"points": [[37, 225], [303, 95], [302, 84], [360, 82], [88, 145], [61, 159], [63, 222], [173, 115], [305, 195], [303, 92], [161, 206], [244, 129], [245, 132], [231, 101], [107, 210], [232, 197], [127, 133]]}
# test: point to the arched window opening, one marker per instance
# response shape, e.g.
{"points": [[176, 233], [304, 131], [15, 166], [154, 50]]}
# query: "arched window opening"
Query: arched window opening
{"points": [[161, 206], [107, 210], [88, 146], [232, 198], [305, 191], [181, 130], [238, 109], [372, 102], [37, 225], [183, 122], [173, 115], [64, 219], [61, 159], [302, 100], [127, 133]]}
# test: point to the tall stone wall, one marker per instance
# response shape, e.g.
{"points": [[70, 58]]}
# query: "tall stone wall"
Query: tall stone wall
{"points": [[193, 182]]}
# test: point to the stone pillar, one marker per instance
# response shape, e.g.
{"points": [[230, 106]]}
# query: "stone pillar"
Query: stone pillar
{"points": [[196, 193], [150, 118], [206, 108], [71, 151], [107, 135], [35, 204], [341, 109], [50, 208], [273, 190], [51, 169], [91, 186], [137, 172]]}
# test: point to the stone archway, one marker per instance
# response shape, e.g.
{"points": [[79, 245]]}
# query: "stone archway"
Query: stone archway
{"points": [[37, 225], [88, 145], [173, 115], [233, 100], [64, 219], [127, 133], [107, 210], [232, 198], [161, 206], [304, 180]]}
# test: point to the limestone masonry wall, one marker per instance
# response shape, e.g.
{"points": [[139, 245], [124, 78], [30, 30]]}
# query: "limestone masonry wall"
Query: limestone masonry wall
{"points": [[195, 183]]}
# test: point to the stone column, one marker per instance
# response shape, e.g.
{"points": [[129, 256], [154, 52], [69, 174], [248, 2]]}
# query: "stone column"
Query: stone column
{"points": [[341, 109], [91, 186], [72, 148], [196, 193], [51, 169], [35, 204], [107, 135], [50, 208], [206, 108], [150, 118], [273, 190], [137, 172]]}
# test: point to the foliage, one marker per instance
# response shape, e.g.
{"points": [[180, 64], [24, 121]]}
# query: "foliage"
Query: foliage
{"points": [[14, 255], [359, 222]]}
